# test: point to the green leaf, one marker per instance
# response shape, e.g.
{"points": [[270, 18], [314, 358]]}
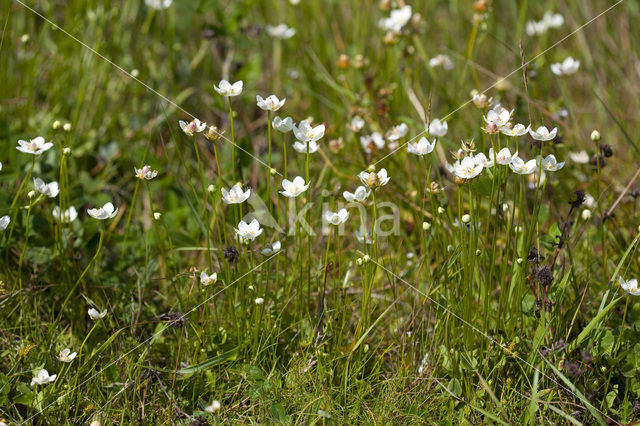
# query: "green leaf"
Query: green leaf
{"points": [[229, 355], [592, 324]]}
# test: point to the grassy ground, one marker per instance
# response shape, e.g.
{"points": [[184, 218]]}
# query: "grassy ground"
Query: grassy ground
{"points": [[493, 299]]}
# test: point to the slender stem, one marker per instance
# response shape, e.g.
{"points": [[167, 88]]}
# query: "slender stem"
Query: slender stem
{"points": [[233, 143]]}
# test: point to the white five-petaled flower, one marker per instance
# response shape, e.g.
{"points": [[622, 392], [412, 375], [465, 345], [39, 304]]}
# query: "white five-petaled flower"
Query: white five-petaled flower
{"points": [[517, 130], [294, 188], [550, 163], [467, 168], [304, 147], [235, 195], [281, 31], [336, 218], [43, 378], [373, 179], [519, 166], [48, 189], [105, 212], [206, 280], [305, 132], [272, 103], [630, 286], [581, 157], [397, 132], [67, 216], [192, 127], [422, 147], [498, 116], [438, 128], [227, 89], [359, 195], [566, 67], [357, 123], [283, 125], [35, 146], [503, 157], [249, 231], [95, 314], [145, 172], [158, 4], [372, 142], [487, 163], [397, 19], [271, 248], [543, 134], [4, 222], [65, 355], [441, 60]]}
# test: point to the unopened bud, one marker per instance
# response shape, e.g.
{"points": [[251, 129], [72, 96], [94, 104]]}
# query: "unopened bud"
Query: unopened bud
{"points": [[466, 218], [157, 215], [273, 172], [259, 301], [67, 127], [595, 136], [24, 38], [135, 73], [66, 151], [371, 168], [366, 258], [426, 226], [478, 252], [211, 188], [56, 124], [520, 260], [359, 261], [31, 194], [440, 210], [450, 248], [586, 214]]}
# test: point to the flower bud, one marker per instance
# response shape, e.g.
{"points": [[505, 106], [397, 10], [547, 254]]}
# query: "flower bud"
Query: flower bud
{"points": [[31, 194], [440, 210], [66, 151], [505, 207], [67, 127], [586, 214], [259, 301], [478, 252], [450, 248], [426, 226], [520, 260], [466, 218], [212, 133], [135, 73], [371, 168], [24, 38], [595, 136], [359, 261], [56, 124], [211, 188], [366, 258], [273, 171], [251, 288], [157, 215]]}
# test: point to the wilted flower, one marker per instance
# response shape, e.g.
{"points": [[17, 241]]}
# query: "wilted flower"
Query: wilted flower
{"points": [[105, 212], [373, 179], [336, 218], [467, 168], [303, 148], [550, 163], [227, 89], [281, 31], [372, 142], [4, 222], [65, 355], [235, 195], [272, 103], [43, 378], [566, 67], [95, 315], [481, 100], [304, 132], [67, 216], [517, 130], [441, 60], [158, 4], [206, 280], [145, 173], [438, 128], [543, 134], [294, 188], [283, 125], [357, 123], [213, 133], [630, 286], [194, 126], [397, 19], [397, 132], [422, 147], [48, 189], [519, 166], [336, 145], [249, 231], [271, 248], [35, 146], [360, 194]]}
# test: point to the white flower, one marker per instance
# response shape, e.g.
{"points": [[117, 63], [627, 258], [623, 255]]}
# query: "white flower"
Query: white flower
{"points": [[65, 355], [294, 188], [536, 28], [235, 194], [336, 218], [158, 4], [43, 378], [249, 231], [281, 31], [34, 146], [360, 194], [630, 286], [373, 179], [259, 301], [486, 163], [397, 132], [283, 125], [272, 103], [517, 130], [550, 163], [194, 126], [145, 173], [304, 132], [503, 157], [227, 89], [467, 168], [553, 20], [438, 128], [215, 406], [302, 147], [397, 19], [371, 142], [4, 222], [518, 165], [441, 60], [357, 123], [499, 116], [481, 100], [589, 201], [68, 216], [105, 212], [422, 147], [95, 315], [272, 248], [157, 215], [208, 279], [566, 67], [579, 157], [363, 235], [0, 166], [543, 134], [48, 189]]}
